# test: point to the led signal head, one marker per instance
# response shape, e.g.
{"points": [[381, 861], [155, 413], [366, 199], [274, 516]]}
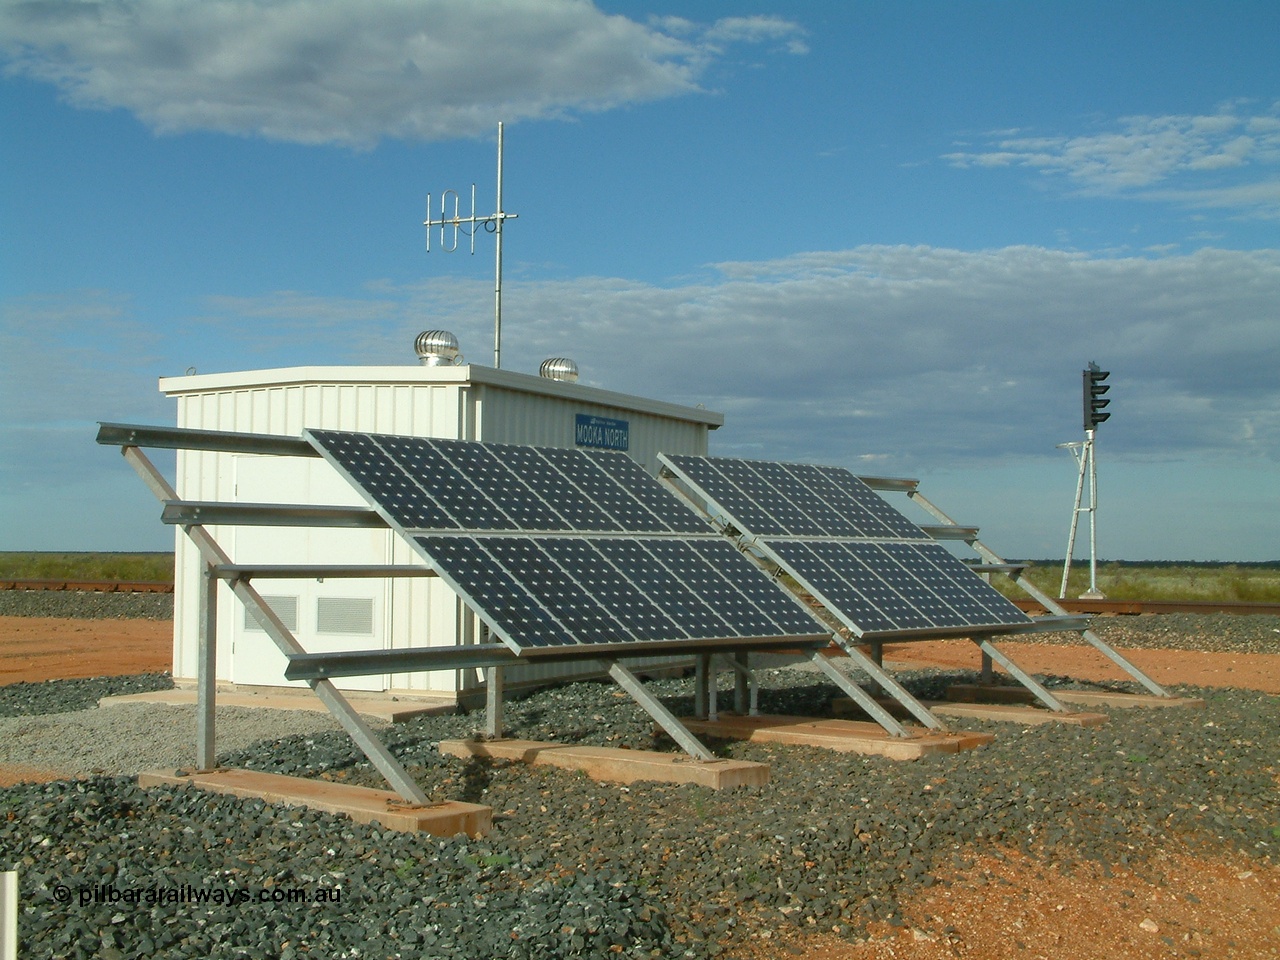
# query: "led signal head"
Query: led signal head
{"points": [[1094, 401]]}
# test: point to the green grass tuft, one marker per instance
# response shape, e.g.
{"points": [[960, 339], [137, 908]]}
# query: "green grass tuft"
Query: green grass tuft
{"points": [[1208, 582], [156, 567]]}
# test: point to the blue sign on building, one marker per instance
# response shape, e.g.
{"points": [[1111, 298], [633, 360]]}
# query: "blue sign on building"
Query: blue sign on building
{"points": [[603, 432]]}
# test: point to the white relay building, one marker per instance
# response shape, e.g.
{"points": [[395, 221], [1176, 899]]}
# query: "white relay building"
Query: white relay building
{"points": [[435, 399]]}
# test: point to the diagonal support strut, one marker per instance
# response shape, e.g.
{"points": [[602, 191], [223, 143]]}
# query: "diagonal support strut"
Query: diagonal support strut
{"points": [[858, 695], [654, 707], [338, 705]]}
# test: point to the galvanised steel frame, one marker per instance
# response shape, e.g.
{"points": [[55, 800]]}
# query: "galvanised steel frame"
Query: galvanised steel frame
{"points": [[759, 550], [993, 563], [319, 670]]}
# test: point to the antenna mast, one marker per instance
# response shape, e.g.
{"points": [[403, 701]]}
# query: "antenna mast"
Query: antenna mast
{"points": [[453, 224]]}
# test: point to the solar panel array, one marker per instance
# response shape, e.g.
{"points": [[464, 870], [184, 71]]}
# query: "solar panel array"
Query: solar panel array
{"points": [[556, 547], [864, 560]]}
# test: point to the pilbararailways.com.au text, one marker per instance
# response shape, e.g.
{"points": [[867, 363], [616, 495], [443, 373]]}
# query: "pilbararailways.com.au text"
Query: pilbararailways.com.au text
{"points": [[108, 893]]}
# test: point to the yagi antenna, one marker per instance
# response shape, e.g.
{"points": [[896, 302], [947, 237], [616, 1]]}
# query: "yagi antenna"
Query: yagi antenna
{"points": [[453, 224]]}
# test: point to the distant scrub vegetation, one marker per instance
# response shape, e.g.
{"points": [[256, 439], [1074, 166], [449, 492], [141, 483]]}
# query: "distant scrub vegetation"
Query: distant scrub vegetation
{"points": [[88, 566], [1160, 580]]}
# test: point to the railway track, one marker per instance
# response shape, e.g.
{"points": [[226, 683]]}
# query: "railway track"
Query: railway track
{"points": [[1103, 607], [90, 586], [1134, 607]]}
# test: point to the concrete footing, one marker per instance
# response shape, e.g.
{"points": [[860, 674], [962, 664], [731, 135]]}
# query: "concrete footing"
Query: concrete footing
{"points": [[616, 765], [1000, 712], [362, 804], [846, 736], [979, 693], [1020, 713]]}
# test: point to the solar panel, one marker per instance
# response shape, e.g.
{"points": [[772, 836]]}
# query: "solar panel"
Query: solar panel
{"points": [[555, 487], [862, 559], [632, 477], [772, 499], [557, 548]]}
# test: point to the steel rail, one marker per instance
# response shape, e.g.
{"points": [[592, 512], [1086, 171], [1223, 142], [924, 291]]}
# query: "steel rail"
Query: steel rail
{"points": [[87, 586], [1138, 607]]}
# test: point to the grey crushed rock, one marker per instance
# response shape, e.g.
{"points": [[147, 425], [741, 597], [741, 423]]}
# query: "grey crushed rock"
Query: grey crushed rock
{"points": [[86, 605], [128, 738], [574, 868]]}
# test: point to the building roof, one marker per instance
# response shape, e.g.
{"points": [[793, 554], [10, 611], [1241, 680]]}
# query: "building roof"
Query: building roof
{"points": [[463, 375]]}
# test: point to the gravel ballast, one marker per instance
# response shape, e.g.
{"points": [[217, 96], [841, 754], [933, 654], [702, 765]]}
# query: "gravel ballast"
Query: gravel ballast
{"points": [[86, 605], [575, 868]]}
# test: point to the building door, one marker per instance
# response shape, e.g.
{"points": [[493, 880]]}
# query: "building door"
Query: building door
{"points": [[324, 615]]}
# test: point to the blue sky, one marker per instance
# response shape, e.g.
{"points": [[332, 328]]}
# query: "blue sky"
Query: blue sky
{"points": [[886, 235]]}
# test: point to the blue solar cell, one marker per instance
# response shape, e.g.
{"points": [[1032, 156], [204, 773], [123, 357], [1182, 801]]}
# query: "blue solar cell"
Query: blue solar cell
{"points": [[554, 487], [853, 509], [713, 588], [867, 561], [407, 503], [636, 480], [490, 589], [840, 587], [422, 460], [972, 594], [780, 607], [873, 503], [488, 474], [885, 583], [572, 603], [628, 513], [790, 483], [930, 591], [563, 547], [742, 510], [642, 617], [780, 504], [678, 602], [893, 566]]}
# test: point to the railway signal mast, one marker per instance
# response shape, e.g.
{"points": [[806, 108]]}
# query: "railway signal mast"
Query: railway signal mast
{"points": [[452, 224], [1095, 403]]}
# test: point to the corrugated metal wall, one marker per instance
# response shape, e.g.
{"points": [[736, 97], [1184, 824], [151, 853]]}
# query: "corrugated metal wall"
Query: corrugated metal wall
{"points": [[417, 612], [508, 416]]}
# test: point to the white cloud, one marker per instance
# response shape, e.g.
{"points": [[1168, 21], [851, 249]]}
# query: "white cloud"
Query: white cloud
{"points": [[893, 360], [758, 29], [331, 71], [1157, 158], [918, 354]]}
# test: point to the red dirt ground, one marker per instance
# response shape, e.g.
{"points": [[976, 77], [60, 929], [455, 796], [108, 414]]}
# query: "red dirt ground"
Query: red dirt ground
{"points": [[42, 648], [1246, 671], [1007, 907]]}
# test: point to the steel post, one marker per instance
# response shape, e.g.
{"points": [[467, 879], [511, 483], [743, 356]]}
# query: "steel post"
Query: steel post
{"points": [[744, 687], [701, 693], [1024, 678], [493, 695], [207, 672], [891, 686]]}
